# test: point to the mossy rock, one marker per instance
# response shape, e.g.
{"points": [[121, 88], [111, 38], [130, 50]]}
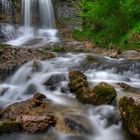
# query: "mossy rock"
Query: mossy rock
{"points": [[75, 74], [76, 84], [101, 94], [130, 113], [86, 95], [105, 93], [8, 126]]}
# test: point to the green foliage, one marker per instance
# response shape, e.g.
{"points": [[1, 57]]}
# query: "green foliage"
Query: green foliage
{"points": [[109, 21], [58, 49]]}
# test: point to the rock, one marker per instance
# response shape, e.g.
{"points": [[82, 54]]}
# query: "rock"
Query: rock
{"points": [[38, 99], [33, 114], [72, 124], [127, 88], [131, 55], [36, 105], [86, 95], [101, 94], [12, 58], [76, 84], [76, 74], [77, 80], [8, 126], [36, 123], [54, 80], [130, 113], [105, 93], [36, 66], [67, 17], [31, 89]]}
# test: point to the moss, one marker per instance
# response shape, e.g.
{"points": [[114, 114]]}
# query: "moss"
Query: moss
{"points": [[105, 93], [9, 126], [58, 49], [77, 84], [130, 113]]}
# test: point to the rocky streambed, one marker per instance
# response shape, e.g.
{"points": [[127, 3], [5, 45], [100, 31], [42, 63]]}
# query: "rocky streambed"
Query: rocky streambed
{"points": [[71, 97]]}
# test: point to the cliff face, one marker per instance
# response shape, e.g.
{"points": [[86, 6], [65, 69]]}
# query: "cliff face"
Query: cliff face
{"points": [[67, 14]]}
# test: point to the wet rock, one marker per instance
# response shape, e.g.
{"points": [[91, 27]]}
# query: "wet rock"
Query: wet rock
{"points": [[86, 95], [8, 126], [75, 126], [54, 80], [31, 89], [73, 75], [3, 91], [35, 105], [36, 66], [77, 84], [77, 80], [36, 123], [101, 94], [38, 99], [33, 114], [130, 113], [72, 124], [127, 88], [105, 93]]}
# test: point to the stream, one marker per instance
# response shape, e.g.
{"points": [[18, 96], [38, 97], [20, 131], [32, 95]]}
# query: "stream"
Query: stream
{"points": [[104, 121]]}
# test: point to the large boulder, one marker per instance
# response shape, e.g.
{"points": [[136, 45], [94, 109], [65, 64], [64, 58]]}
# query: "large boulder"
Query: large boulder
{"points": [[130, 113], [100, 94], [32, 115], [105, 93], [36, 123]]}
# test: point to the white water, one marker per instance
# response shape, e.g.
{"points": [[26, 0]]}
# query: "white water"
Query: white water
{"points": [[99, 117], [8, 31], [27, 15], [28, 34], [47, 14], [6, 6]]}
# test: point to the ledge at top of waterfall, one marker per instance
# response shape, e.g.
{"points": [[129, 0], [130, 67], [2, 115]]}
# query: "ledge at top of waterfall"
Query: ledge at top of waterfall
{"points": [[36, 32]]}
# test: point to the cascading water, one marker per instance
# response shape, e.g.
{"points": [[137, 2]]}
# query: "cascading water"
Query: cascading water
{"points": [[104, 119], [46, 14], [45, 33], [27, 15], [7, 17], [7, 10]]}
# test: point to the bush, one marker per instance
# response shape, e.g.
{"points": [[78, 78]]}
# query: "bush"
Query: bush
{"points": [[108, 21]]}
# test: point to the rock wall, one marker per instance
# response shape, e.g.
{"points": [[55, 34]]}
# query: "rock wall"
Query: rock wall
{"points": [[67, 14]]}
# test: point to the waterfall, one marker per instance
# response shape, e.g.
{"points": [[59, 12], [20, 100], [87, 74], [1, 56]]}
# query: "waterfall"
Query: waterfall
{"points": [[27, 14], [40, 13], [46, 14], [5, 8], [7, 11]]}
